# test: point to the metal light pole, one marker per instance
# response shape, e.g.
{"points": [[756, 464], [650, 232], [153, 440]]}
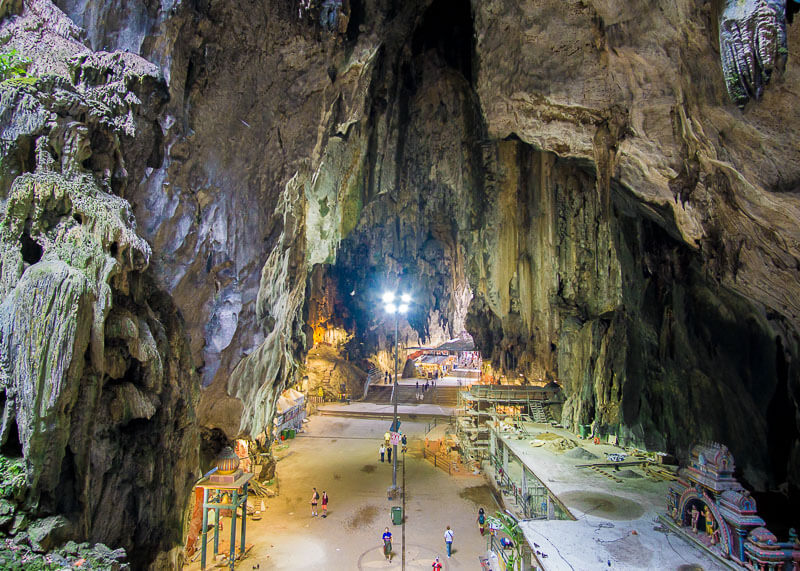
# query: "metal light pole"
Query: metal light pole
{"points": [[391, 308]]}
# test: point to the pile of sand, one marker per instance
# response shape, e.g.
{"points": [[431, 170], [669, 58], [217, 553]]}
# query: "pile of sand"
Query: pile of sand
{"points": [[580, 454], [553, 442]]}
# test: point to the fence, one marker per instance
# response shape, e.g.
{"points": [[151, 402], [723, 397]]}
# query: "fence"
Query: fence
{"points": [[438, 460], [437, 420]]}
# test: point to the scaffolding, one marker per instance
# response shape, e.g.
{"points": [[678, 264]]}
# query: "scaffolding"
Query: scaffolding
{"points": [[484, 404]]}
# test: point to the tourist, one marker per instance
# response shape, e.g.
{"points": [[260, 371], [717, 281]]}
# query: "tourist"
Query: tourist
{"points": [[382, 450], [437, 565], [448, 540], [314, 499], [387, 544], [481, 519], [324, 503]]}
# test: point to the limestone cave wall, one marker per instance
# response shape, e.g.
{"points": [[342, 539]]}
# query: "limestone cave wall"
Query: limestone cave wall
{"points": [[570, 180]]}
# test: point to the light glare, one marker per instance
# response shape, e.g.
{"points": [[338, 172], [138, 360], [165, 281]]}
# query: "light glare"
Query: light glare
{"points": [[403, 308], [391, 308], [406, 298], [388, 297]]}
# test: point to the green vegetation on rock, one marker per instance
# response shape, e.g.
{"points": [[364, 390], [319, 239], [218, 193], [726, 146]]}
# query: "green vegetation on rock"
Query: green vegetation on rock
{"points": [[12, 477], [13, 65]]}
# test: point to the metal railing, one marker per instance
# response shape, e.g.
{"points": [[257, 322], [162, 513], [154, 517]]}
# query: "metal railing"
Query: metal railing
{"points": [[438, 460], [509, 392]]}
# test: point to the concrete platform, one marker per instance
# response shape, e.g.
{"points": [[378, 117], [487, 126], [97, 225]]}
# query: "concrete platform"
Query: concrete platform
{"points": [[366, 410], [616, 524]]}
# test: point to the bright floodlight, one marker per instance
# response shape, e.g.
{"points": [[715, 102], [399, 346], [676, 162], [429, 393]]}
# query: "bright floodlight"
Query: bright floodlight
{"points": [[391, 308], [406, 298], [403, 308], [388, 297]]}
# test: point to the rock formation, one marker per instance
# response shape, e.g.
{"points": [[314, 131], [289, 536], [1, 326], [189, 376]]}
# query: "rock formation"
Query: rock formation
{"points": [[572, 180], [98, 389]]}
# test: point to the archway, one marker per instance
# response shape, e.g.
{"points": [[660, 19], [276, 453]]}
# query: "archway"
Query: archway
{"points": [[692, 497]]}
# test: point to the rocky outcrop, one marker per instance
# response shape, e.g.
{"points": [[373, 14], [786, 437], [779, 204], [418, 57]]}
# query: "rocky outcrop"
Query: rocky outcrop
{"points": [[98, 389], [568, 178]]}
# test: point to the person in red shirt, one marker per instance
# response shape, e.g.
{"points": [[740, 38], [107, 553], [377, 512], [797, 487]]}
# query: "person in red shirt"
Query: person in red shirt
{"points": [[324, 504], [436, 564]]}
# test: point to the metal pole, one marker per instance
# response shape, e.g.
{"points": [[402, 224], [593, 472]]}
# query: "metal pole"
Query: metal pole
{"points": [[205, 529], [235, 506], [244, 520], [394, 446]]}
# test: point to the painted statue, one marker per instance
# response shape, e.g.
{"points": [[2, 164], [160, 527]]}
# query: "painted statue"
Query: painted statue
{"points": [[709, 522], [695, 513]]}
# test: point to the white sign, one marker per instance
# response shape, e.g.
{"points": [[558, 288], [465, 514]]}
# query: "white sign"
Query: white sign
{"points": [[394, 438]]}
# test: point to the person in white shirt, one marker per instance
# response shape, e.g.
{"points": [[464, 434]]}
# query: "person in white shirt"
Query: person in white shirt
{"points": [[448, 540]]}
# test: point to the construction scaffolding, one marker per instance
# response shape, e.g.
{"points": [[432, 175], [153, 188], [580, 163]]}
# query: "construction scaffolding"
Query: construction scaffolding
{"points": [[484, 404]]}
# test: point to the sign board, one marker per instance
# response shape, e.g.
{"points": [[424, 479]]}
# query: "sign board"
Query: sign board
{"points": [[493, 523], [394, 438]]}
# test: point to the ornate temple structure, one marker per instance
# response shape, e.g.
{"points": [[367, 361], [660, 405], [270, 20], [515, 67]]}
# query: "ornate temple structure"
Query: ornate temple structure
{"points": [[709, 504]]}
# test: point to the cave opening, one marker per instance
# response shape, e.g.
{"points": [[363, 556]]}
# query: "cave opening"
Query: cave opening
{"points": [[66, 496], [12, 447], [782, 429], [357, 17], [31, 250], [447, 30]]}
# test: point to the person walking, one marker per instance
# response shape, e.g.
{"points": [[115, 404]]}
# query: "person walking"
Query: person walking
{"points": [[314, 499], [389, 454], [481, 519], [325, 504], [387, 544], [437, 565], [448, 540], [404, 441], [382, 450]]}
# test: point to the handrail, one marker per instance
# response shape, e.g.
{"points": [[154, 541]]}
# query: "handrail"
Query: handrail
{"points": [[370, 375], [439, 460]]}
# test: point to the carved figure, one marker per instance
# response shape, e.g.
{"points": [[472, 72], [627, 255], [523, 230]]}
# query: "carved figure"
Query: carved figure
{"points": [[709, 521], [752, 45], [695, 516]]}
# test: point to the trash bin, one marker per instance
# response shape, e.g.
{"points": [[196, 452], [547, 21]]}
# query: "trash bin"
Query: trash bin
{"points": [[397, 515], [583, 430], [291, 433]]}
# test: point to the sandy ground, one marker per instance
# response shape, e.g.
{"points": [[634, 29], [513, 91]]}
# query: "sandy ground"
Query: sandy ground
{"points": [[340, 455]]}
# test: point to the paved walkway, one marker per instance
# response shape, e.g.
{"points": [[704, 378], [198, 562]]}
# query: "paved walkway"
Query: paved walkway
{"points": [[340, 455], [386, 409]]}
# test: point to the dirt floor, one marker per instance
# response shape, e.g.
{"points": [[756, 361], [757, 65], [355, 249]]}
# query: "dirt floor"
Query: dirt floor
{"points": [[340, 456]]}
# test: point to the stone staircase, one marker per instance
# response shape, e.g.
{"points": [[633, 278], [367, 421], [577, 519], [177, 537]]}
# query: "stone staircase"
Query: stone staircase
{"points": [[406, 395]]}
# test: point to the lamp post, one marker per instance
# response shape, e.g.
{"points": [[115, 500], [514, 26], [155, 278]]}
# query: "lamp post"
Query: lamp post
{"points": [[395, 309]]}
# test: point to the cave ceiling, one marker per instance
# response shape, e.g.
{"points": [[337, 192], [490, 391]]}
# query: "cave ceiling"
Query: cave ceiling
{"points": [[603, 193]]}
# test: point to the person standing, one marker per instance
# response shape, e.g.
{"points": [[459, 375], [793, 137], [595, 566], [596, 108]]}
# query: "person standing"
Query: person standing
{"points": [[314, 500], [448, 540], [387, 544], [382, 450], [325, 504], [389, 454], [437, 565], [404, 441]]}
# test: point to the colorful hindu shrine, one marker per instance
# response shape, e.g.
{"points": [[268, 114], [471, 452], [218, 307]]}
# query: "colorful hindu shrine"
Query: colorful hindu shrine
{"points": [[711, 507]]}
